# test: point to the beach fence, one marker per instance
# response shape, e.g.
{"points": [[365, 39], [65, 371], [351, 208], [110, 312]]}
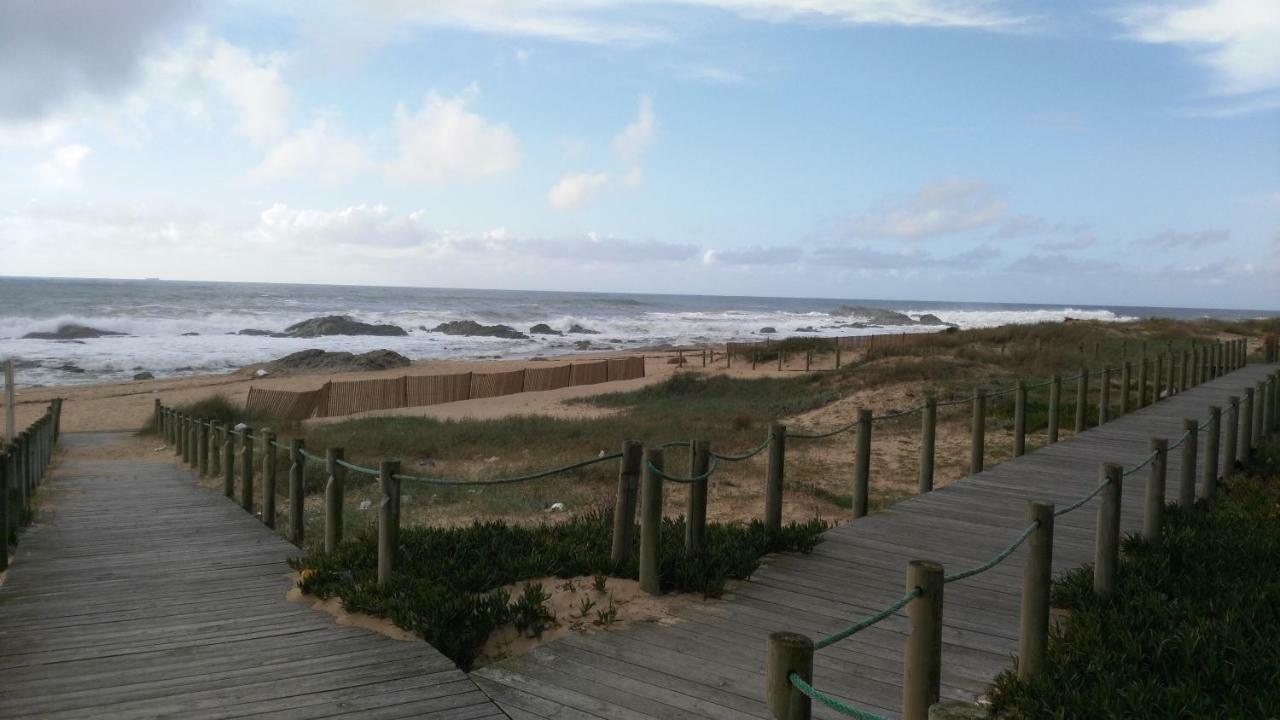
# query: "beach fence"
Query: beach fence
{"points": [[347, 397], [24, 465], [644, 474]]}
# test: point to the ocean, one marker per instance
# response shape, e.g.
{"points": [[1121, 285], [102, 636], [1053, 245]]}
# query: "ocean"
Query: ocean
{"points": [[183, 328]]}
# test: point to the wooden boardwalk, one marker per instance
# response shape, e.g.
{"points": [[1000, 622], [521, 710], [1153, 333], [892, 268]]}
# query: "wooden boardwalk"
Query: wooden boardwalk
{"points": [[711, 663], [140, 595]]}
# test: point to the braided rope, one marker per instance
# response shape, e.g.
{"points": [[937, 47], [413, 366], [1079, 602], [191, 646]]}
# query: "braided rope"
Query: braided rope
{"points": [[999, 558], [1142, 464], [819, 435], [1183, 438], [309, 456], [1079, 503], [798, 683], [868, 621], [511, 480], [744, 456], [683, 480], [358, 468]]}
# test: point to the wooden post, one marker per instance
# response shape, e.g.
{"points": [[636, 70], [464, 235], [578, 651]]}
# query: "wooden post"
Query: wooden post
{"points": [[1246, 430], [862, 465], [1082, 401], [788, 653], [297, 473], [1020, 419], [1055, 407], [837, 353], [193, 444], [388, 522], [1157, 474], [977, 440], [1126, 376], [202, 448], [1104, 397], [5, 509], [704, 357], [1143, 379], [1169, 376], [1106, 550], [922, 659], [1268, 406], [755, 356], [229, 464], [1256, 426], [928, 434], [695, 527], [1037, 577], [775, 477], [178, 424], [246, 471], [1184, 372], [780, 353], [334, 491], [624, 505], [1210, 487], [1157, 378], [808, 359], [268, 478], [1233, 434], [1187, 467], [1197, 368], [651, 521]]}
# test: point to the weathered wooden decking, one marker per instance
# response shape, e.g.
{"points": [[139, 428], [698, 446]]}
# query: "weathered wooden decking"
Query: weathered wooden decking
{"points": [[711, 663], [142, 595]]}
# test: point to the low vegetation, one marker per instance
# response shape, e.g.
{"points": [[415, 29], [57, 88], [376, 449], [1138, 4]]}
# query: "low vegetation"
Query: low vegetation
{"points": [[447, 587], [1193, 630]]}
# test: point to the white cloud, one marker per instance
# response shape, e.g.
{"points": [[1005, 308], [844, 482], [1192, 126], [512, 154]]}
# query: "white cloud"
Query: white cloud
{"points": [[253, 86], [940, 208], [358, 225], [574, 189], [445, 139], [317, 152], [754, 255], [713, 75], [1192, 240], [637, 136], [62, 169], [1238, 40]]}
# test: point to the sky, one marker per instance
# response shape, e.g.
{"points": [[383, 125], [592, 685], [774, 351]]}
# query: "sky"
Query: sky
{"points": [[970, 150]]}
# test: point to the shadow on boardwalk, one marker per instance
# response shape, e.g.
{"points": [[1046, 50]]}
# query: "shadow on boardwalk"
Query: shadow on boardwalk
{"points": [[710, 664], [139, 594]]}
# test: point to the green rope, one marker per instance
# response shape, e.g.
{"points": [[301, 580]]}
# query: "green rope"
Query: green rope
{"points": [[676, 443], [683, 480], [309, 456], [798, 683], [1185, 434], [815, 436], [1079, 503], [999, 558], [1142, 464], [868, 621], [508, 481], [358, 468], [749, 454]]}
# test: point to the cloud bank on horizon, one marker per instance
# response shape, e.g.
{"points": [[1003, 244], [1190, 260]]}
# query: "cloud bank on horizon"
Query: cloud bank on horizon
{"points": [[1096, 152]]}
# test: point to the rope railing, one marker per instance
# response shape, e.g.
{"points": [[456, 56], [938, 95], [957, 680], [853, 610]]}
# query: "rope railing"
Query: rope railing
{"points": [[868, 621], [358, 468], [999, 557], [802, 435], [1145, 462], [680, 479], [744, 456], [1181, 439], [510, 480], [1082, 501], [835, 704]]}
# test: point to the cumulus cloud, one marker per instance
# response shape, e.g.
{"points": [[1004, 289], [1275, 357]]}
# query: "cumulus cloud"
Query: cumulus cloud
{"points": [[318, 152], [253, 87], [937, 209], [634, 139], [358, 225], [54, 50], [754, 255], [445, 139], [1172, 239], [906, 260], [574, 189], [62, 169]]}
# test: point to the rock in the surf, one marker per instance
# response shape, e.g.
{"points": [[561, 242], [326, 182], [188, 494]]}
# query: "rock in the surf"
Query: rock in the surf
{"points": [[340, 325], [471, 328], [71, 331]]}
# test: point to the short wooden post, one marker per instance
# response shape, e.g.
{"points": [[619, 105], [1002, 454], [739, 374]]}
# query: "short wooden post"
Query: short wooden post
{"points": [[1157, 475], [1232, 434], [775, 477], [6, 509], [1143, 380], [1187, 466], [681, 358], [1020, 419], [977, 439], [268, 478], [179, 433], [788, 653], [1184, 372], [624, 505], [1169, 375], [1082, 401], [1256, 426], [755, 356], [1037, 577], [704, 357], [297, 475], [229, 463], [202, 448], [1268, 406], [780, 354], [193, 444], [1126, 376], [695, 526], [837, 353], [651, 521], [1104, 397], [1197, 366], [1106, 549], [1210, 487], [922, 659], [334, 491], [862, 464], [1157, 378], [1246, 430], [246, 471], [388, 522], [928, 435], [1055, 407]]}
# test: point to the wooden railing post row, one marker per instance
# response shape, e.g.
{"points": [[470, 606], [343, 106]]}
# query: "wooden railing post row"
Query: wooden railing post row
{"points": [[6, 509], [179, 434], [1020, 419], [1055, 408], [1106, 551], [1037, 577], [1269, 406], [202, 447], [651, 521], [246, 470], [229, 462], [624, 506], [1157, 474], [695, 527], [1104, 397], [977, 439], [1157, 378], [193, 444], [1126, 376], [1233, 434], [388, 519], [1187, 466], [269, 456], [1143, 379], [1169, 375], [1082, 401], [19, 450], [928, 441], [1210, 487], [787, 653], [862, 464], [156, 413], [216, 433], [334, 490], [775, 476], [297, 478], [922, 659], [1257, 426], [1184, 372]]}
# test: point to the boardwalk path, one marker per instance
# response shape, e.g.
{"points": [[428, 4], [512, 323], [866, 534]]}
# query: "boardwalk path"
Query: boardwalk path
{"points": [[143, 595], [712, 663]]}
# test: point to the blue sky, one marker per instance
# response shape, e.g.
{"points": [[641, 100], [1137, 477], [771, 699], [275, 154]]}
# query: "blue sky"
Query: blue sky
{"points": [[909, 149]]}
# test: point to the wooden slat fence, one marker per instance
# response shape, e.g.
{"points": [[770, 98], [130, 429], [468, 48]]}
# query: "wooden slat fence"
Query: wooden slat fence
{"points": [[548, 378], [589, 373], [435, 389], [485, 385]]}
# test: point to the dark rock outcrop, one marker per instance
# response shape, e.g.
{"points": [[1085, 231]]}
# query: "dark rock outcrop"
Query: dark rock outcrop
{"points": [[874, 316], [144, 376], [340, 325], [544, 329], [930, 319], [768, 330], [68, 367], [257, 333], [315, 360], [471, 328], [576, 329], [808, 329], [71, 331]]}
